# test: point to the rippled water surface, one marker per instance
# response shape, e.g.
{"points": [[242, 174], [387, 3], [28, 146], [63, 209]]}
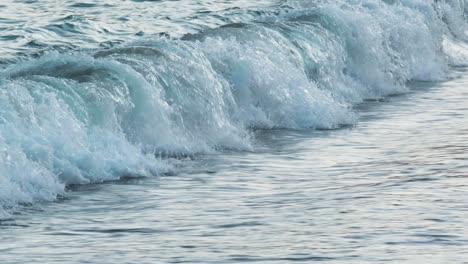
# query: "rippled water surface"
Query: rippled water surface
{"points": [[27, 25], [234, 131]]}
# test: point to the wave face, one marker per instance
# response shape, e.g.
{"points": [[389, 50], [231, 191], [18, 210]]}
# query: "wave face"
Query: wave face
{"points": [[99, 115]]}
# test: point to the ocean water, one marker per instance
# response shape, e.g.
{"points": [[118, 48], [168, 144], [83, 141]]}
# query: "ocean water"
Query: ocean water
{"points": [[234, 131]]}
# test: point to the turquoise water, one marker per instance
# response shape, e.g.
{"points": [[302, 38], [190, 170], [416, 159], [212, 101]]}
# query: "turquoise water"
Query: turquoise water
{"points": [[270, 132]]}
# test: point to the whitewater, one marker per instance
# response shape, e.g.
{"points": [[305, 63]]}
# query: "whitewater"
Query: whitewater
{"points": [[97, 94]]}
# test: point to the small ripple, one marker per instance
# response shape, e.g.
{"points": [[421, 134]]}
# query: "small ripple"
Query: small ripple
{"points": [[147, 0], [117, 230], [8, 223], [10, 21], [83, 5], [63, 29], [68, 18], [436, 239], [244, 224], [10, 37], [294, 259], [188, 246], [435, 220], [438, 236], [420, 179]]}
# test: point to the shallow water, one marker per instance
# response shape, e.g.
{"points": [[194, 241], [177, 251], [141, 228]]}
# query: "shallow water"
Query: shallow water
{"points": [[233, 131], [391, 189]]}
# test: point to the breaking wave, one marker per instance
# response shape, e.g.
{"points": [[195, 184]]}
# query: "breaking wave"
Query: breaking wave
{"points": [[100, 115]]}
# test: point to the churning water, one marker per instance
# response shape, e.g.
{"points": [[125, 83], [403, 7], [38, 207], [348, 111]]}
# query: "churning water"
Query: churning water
{"points": [[234, 131]]}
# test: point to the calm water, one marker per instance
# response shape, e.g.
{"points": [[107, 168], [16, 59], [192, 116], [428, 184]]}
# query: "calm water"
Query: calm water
{"points": [[356, 160]]}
